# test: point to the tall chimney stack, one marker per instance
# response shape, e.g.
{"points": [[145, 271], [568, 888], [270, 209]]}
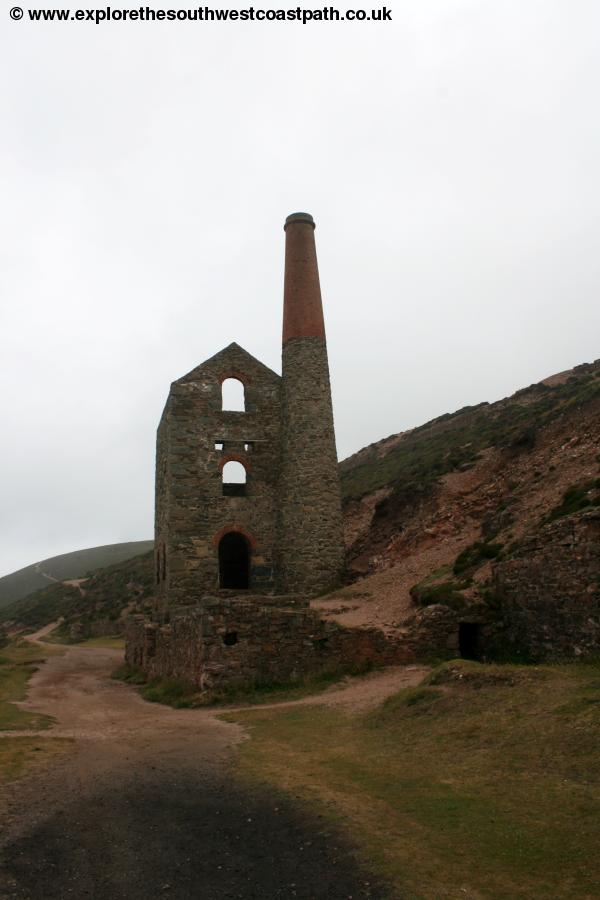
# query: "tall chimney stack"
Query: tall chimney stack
{"points": [[310, 514], [302, 307]]}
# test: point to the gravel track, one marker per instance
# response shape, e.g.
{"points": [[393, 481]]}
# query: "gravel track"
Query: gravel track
{"points": [[146, 805]]}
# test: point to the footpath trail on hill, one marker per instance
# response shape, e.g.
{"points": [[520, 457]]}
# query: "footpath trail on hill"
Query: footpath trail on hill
{"points": [[146, 806]]}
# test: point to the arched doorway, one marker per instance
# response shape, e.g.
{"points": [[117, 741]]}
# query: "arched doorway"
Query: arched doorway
{"points": [[234, 561]]}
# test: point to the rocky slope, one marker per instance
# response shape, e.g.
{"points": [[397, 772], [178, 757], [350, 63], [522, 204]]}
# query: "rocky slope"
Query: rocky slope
{"points": [[491, 473]]}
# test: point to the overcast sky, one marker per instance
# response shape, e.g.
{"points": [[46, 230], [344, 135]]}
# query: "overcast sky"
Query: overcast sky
{"points": [[450, 159]]}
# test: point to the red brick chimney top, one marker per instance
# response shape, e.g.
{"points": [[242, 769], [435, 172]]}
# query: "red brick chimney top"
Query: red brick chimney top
{"points": [[302, 307], [299, 217]]}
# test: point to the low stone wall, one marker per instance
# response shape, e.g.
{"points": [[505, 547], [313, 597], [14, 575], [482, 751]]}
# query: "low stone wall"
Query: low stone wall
{"points": [[549, 589], [434, 632], [236, 642]]}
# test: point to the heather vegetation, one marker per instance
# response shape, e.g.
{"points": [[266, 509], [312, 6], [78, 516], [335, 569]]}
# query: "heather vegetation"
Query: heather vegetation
{"points": [[103, 595], [474, 556], [453, 441], [447, 592], [577, 498], [447, 584]]}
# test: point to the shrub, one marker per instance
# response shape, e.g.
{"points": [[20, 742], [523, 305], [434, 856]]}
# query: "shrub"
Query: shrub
{"points": [[576, 498], [448, 593], [172, 691], [129, 674], [475, 555]]}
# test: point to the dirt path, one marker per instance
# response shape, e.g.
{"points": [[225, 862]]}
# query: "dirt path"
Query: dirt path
{"points": [[146, 806], [45, 574], [36, 638]]}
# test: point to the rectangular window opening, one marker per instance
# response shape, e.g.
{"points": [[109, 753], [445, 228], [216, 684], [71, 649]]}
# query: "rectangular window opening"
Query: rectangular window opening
{"points": [[249, 446], [219, 445], [232, 489]]}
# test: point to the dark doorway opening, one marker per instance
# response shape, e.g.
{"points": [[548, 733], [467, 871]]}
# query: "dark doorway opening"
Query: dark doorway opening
{"points": [[234, 561], [469, 640]]}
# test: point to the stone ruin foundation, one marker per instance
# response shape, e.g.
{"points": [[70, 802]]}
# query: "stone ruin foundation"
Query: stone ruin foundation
{"points": [[246, 641]]}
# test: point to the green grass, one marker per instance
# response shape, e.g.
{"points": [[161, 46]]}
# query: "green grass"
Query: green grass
{"points": [[19, 753], [182, 695], [482, 782], [13, 686], [58, 636], [110, 641], [22, 651], [62, 638], [17, 665]]}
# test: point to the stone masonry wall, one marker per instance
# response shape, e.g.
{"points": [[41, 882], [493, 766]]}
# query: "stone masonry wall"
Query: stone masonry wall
{"points": [[235, 642], [310, 549], [549, 590], [192, 513]]}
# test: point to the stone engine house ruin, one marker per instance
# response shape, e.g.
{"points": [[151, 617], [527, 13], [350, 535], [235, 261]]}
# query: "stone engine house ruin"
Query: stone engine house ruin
{"points": [[277, 526], [239, 557]]}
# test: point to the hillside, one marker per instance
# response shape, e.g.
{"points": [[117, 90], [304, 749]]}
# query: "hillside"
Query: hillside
{"points": [[473, 485], [495, 472], [66, 566], [93, 604]]}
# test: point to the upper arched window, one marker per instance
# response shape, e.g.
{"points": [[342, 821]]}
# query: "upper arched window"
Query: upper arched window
{"points": [[233, 395], [234, 479]]}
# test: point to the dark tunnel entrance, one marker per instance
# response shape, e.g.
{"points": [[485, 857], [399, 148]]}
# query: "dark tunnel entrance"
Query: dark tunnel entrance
{"points": [[469, 640], [234, 561]]}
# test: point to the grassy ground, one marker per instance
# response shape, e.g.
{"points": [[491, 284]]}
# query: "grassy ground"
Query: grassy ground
{"points": [[61, 638], [180, 694], [113, 642], [18, 752], [21, 651], [22, 754], [13, 686], [484, 782]]}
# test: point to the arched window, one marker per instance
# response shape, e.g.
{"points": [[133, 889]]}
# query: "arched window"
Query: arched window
{"points": [[233, 395], [234, 479]]}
